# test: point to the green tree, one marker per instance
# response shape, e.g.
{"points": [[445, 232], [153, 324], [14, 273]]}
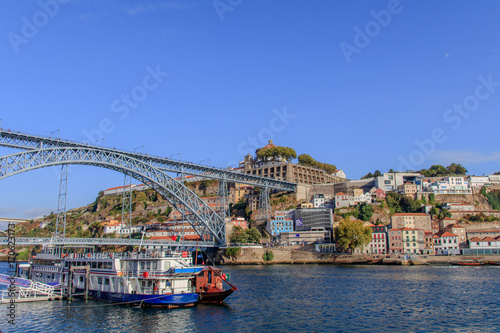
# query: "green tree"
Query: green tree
{"points": [[306, 160], [456, 169], [434, 211], [392, 200], [352, 234], [432, 198], [254, 235], [409, 205], [232, 252], [268, 255], [365, 212]]}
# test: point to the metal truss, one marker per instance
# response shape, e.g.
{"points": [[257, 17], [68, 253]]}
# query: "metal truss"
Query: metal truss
{"points": [[61, 202], [26, 141], [208, 225], [127, 204], [102, 241], [221, 204], [264, 205]]}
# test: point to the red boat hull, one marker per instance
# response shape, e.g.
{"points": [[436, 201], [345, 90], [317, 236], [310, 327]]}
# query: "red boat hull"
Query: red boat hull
{"points": [[214, 297]]}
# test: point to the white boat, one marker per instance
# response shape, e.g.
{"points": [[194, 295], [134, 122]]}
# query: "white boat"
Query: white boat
{"points": [[152, 278]]}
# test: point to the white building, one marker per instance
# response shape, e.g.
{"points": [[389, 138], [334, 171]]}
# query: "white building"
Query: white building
{"points": [[339, 173], [390, 181], [487, 245], [318, 201], [451, 185], [479, 181], [341, 200], [446, 244]]}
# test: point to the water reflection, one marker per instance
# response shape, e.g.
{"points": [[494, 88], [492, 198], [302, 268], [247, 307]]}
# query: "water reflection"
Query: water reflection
{"points": [[319, 298]]}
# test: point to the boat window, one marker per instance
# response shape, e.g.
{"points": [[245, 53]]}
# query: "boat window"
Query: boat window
{"points": [[143, 265], [148, 265], [81, 278], [99, 265], [99, 280], [154, 265], [94, 264], [106, 281]]}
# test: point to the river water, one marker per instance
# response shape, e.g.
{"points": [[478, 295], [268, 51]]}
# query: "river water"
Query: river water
{"points": [[302, 298]]}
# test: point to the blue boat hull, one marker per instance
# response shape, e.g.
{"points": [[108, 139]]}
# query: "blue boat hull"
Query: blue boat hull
{"points": [[168, 300]]}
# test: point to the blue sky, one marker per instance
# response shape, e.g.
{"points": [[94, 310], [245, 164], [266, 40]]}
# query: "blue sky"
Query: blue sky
{"points": [[364, 85]]}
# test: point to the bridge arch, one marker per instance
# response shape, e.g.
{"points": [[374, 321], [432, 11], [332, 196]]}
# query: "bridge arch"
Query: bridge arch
{"points": [[202, 218]]}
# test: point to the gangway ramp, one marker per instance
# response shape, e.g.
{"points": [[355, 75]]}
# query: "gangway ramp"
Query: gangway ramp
{"points": [[24, 290]]}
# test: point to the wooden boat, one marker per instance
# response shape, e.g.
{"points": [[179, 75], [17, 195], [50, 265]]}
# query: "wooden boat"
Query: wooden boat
{"points": [[470, 263], [209, 285]]}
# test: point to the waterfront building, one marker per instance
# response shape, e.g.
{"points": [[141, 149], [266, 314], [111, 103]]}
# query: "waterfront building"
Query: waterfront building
{"points": [[413, 240], [460, 231], [486, 245], [446, 243], [411, 220], [378, 244], [395, 237], [429, 243]]}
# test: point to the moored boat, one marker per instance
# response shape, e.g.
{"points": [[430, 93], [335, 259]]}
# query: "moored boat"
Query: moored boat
{"points": [[470, 263], [209, 285], [151, 278]]}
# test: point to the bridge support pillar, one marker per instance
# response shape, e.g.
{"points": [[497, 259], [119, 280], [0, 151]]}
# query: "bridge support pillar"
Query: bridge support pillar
{"points": [[61, 202], [264, 205]]}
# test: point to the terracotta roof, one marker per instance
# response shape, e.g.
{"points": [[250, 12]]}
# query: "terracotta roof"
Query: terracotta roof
{"points": [[340, 193], [448, 234], [475, 239], [489, 239]]}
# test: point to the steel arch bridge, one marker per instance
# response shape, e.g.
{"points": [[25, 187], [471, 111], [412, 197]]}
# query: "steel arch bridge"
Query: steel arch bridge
{"points": [[152, 171], [32, 142], [204, 220]]}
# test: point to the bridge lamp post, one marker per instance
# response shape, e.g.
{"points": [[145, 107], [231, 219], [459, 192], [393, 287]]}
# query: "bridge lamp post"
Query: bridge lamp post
{"points": [[58, 132], [182, 173], [138, 148], [103, 139], [1, 122]]}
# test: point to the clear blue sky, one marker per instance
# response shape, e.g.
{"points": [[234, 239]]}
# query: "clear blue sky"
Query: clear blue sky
{"points": [[359, 81]]}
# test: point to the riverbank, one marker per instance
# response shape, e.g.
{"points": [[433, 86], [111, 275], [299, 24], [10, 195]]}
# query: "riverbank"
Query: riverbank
{"points": [[297, 255]]}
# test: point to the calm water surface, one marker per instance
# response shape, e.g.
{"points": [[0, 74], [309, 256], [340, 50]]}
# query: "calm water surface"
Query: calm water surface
{"points": [[303, 298]]}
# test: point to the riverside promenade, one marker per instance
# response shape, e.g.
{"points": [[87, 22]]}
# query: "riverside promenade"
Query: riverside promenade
{"points": [[300, 255]]}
